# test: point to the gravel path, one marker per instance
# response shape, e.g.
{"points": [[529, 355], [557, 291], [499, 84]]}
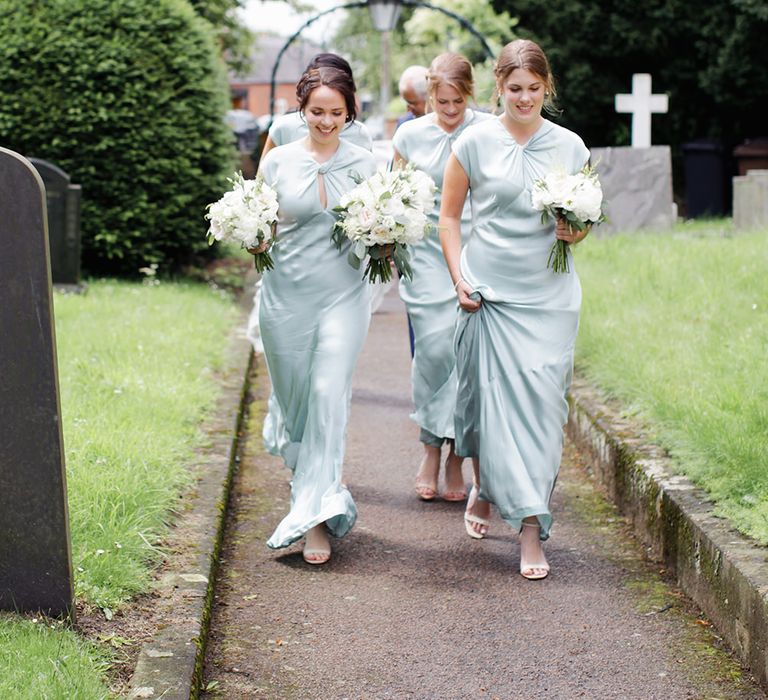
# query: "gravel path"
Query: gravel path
{"points": [[412, 608]]}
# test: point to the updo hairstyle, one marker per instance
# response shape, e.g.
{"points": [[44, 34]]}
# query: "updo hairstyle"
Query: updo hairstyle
{"points": [[331, 60], [330, 77]]}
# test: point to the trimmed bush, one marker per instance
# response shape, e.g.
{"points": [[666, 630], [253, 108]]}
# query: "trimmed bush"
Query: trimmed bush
{"points": [[128, 97]]}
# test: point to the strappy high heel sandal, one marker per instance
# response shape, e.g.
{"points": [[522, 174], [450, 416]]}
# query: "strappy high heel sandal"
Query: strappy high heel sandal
{"points": [[533, 572], [314, 554], [459, 495], [469, 518]]}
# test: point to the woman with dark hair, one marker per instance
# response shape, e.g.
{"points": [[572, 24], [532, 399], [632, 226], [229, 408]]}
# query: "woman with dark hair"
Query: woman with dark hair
{"points": [[518, 321], [314, 314], [292, 126], [425, 142]]}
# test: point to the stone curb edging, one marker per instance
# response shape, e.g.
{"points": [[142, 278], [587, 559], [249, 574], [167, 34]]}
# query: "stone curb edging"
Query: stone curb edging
{"points": [[170, 665], [723, 571]]}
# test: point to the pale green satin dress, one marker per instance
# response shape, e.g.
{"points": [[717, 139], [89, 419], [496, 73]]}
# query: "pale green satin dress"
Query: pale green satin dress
{"points": [[291, 126], [285, 129], [429, 296], [515, 355], [314, 316]]}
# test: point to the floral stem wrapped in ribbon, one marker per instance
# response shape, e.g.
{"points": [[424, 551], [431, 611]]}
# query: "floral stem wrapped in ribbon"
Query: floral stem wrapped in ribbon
{"points": [[576, 198], [381, 216], [245, 215]]}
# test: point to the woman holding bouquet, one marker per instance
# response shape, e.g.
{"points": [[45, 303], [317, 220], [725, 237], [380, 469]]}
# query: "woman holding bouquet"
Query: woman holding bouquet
{"points": [[518, 320], [290, 127], [314, 314], [429, 296]]}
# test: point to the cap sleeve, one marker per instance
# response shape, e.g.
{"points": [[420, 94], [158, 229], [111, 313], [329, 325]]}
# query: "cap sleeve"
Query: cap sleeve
{"points": [[400, 141], [278, 131], [464, 150], [364, 136], [268, 168], [580, 154]]}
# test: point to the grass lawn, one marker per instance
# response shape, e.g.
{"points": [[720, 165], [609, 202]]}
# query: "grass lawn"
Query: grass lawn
{"points": [[136, 366], [675, 325]]}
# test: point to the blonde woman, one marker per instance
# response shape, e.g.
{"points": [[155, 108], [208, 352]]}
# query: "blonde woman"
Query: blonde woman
{"points": [[518, 320], [430, 298]]}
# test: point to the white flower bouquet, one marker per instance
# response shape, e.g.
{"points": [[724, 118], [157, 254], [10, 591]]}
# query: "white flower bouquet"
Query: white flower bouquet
{"points": [[576, 198], [381, 216], [245, 215]]}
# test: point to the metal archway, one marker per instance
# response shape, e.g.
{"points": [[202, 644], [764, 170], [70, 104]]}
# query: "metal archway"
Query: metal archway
{"points": [[463, 21]]}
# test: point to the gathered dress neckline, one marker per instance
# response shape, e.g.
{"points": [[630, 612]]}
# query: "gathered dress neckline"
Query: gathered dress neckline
{"points": [[534, 136], [322, 169]]}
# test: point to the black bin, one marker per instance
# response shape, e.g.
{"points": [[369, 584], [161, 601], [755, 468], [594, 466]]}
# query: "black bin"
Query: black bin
{"points": [[705, 182]]}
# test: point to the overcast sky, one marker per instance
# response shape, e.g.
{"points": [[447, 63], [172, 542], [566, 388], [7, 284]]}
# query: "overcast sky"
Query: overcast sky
{"points": [[278, 17]]}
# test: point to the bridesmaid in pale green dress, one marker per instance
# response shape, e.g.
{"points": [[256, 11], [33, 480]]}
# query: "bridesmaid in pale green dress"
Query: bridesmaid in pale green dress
{"points": [[429, 297], [518, 320], [314, 315], [291, 127]]}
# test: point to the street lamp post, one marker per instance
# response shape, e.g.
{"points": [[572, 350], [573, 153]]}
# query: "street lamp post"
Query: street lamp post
{"points": [[384, 16]]}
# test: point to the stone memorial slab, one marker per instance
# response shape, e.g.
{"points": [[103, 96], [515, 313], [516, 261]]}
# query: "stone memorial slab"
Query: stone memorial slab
{"points": [[637, 188], [63, 203], [750, 200], [35, 557]]}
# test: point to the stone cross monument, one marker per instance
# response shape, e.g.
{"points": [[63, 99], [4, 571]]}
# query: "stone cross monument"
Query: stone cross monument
{"points": [[641, 104], [35, 556]]}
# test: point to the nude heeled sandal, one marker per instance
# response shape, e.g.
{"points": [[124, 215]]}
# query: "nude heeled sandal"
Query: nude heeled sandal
{"points": [[469, 518], [525, 566]]}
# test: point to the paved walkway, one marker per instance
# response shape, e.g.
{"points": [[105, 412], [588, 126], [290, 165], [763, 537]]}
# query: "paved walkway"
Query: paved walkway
{"points": [[412, 608]]}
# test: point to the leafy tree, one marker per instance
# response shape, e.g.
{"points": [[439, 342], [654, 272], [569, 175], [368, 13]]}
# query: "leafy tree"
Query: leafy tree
{"points": [[436, 32], [129, 99], [235, 39], [709, 57], [420, 35]]}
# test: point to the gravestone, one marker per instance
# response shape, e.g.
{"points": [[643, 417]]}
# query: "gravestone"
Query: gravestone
{"points": [[636, 180], [637, 188], [750, 200], [35, 557], [63, 200]]}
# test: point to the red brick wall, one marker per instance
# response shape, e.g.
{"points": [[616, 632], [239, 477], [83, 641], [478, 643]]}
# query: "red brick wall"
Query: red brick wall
{"points": [[258, 96]]}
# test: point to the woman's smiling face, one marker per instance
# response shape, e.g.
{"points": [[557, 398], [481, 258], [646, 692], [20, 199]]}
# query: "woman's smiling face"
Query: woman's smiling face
{"points": [[326, 114], [523, 95]]}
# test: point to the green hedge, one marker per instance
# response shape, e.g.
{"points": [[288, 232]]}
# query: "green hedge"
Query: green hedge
{"points": [[128, 97]]}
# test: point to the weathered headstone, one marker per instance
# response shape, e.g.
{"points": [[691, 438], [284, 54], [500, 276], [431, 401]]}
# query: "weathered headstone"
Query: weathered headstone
{"points": [[63, 200], [637, 188], [750, 200], [637, 180], [35, 557], [641, 104]]}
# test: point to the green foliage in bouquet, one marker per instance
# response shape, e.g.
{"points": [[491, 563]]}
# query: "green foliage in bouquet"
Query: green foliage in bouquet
{"points": [[378, 268], [128, 98]]}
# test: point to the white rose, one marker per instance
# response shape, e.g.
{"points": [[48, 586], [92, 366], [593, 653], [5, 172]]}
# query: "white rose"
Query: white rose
{"points": [[540, 197], [393, 207], [380, 234], [558, 188], [588, 202], [366, 217]]}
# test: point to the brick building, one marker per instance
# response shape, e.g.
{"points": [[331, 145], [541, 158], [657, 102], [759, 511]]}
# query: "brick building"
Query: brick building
{"points": [[251, 91]]}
